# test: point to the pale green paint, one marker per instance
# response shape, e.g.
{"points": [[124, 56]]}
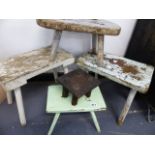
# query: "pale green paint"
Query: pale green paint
{"points": [[95, 121], [58, 104], [56, 117]]}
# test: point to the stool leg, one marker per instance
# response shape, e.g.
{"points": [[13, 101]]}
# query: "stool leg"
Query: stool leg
{"points": [[95, 121], [56, 117], [65, 92], [55, 44], [74, 100], [96, 76], [55, 73], [94, 50], [127, 106], [100, 49], [88, 94], [65, 69], [20, 106], [9, 97]]}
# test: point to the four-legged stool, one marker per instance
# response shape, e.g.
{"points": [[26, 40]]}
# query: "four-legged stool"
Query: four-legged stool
{"points": [[79, 83], [57, 104]]}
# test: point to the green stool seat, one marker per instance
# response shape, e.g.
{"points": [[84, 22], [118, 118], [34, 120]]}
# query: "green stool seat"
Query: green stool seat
{"points": [[57, 104]]}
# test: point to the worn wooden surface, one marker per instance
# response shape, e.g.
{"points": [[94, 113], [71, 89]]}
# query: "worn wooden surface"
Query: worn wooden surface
{"points": [[58, 104], [81, 25], [78, 82], [124, 71], [31, 62], [55, 44]]}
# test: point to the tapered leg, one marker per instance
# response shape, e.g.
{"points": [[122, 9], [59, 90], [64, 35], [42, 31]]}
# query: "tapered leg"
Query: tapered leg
{"points": [[65, 70], [74, 100], [127, 106], [55, 73], [65, 92], [56, 117], [20, 106], [95, 121], [94, 50], [55, 44], [9, 97], [96, 76], [100, 49]]}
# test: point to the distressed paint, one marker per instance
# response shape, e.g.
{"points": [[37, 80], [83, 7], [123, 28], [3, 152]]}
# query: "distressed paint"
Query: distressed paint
{"points": [[27, 63], [101, 27], [127, 106], [124, 71]]}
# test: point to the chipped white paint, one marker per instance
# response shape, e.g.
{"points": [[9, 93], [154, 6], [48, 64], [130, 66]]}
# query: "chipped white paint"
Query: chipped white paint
{"points": [[27, 63], [127, 106], [132, 74], [15, 71], [139, 79], [20, 106]]}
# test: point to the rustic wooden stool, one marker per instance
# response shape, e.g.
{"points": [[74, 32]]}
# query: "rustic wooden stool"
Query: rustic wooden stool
{"points": [[129, 73], [15, 72], [79, 83], [57, 104], [98, 28]]}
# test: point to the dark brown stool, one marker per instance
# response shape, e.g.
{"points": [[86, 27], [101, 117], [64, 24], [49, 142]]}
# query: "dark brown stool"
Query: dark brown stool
{"points": [[79, 83]]}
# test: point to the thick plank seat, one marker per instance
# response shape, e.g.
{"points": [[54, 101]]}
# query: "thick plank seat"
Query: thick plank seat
{"points": [[101, 27], [25, 65], [124, 71]]}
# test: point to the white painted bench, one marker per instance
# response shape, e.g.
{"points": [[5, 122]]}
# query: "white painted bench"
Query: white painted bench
{"points": [[15, 71], [129, 73]]}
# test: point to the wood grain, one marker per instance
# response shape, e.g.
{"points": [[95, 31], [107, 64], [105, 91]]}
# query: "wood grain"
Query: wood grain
{"points": [[101, 27]]}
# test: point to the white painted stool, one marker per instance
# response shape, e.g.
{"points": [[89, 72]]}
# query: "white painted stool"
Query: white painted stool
{"points": [[57, 104], [15, 71], [129, 73]]}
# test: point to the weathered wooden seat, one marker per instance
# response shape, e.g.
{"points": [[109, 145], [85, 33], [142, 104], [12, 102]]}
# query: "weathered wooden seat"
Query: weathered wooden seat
{"points": [[101, 27], [129, 73], [16, 70], [98, 28]]}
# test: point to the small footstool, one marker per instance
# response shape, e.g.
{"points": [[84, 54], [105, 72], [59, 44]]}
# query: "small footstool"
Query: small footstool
{"points": [[57, 104], [79, 83]]}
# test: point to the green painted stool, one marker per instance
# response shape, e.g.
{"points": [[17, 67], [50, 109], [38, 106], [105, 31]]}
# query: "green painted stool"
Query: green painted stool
{"points": [[57, 104]]}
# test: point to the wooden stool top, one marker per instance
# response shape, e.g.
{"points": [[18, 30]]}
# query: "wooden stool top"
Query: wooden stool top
{"points": [[101, 27], [132, 74], [78, 82], [23, 64]]}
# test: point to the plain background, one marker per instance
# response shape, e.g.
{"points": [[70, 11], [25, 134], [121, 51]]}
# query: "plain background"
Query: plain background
{"points": [[23, 35]]}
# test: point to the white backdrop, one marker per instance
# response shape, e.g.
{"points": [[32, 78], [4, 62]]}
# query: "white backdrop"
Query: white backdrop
{"points": [[22, 35]]}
